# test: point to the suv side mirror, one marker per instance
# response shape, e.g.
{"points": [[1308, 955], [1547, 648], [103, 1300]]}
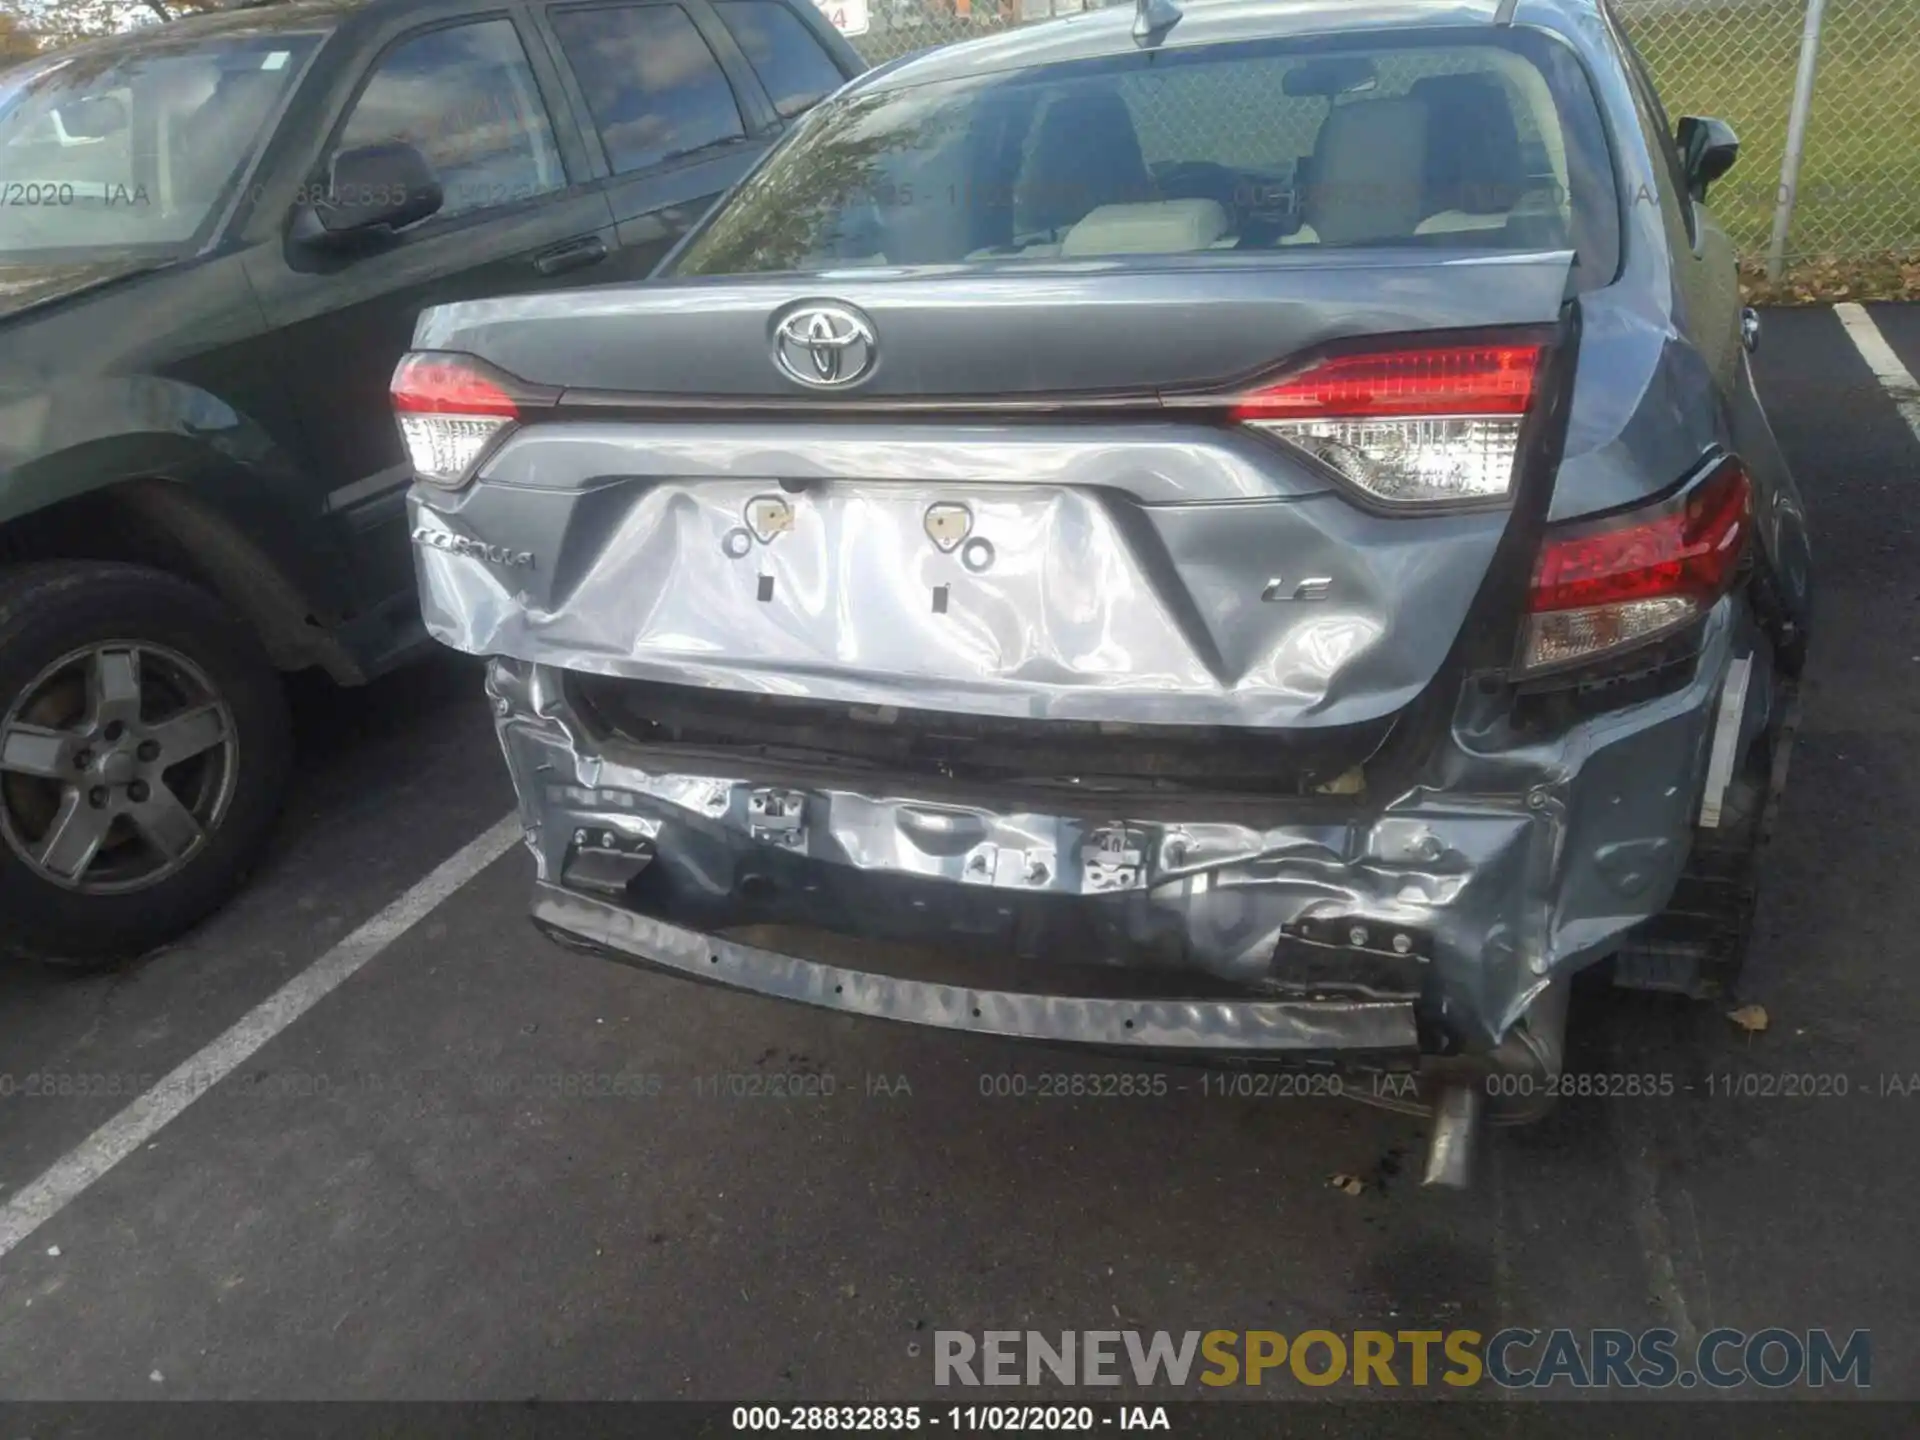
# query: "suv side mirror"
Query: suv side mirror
{"points": [[372, 188], [1708, 148]]}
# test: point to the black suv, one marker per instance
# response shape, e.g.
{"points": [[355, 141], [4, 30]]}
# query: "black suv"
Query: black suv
{"points": [[215, 236]]}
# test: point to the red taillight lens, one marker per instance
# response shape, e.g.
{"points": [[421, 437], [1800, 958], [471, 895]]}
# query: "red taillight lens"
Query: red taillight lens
{"points": [[1442, 380], [450, 407], [1425, 425], [1601, 590], [448, 385]]}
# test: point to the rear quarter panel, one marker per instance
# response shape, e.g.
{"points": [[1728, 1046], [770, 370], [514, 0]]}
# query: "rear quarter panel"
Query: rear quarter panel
{"points": [[1663, 376]]}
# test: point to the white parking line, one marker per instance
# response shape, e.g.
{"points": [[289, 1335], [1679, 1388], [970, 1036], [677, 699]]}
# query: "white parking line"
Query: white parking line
{"points": [[39, 1201], [1886, 365]]}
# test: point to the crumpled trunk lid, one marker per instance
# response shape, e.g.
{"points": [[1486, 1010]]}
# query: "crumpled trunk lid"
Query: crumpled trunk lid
{"points": [[1013, 515]]}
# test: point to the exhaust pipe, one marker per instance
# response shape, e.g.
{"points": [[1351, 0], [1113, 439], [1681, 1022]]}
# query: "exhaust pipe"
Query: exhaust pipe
{"points": [[1536, 1048], [1456, 1127]]}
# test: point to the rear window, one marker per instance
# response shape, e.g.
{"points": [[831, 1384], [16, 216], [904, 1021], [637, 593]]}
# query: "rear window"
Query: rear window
{"points": [[1430, 140]]}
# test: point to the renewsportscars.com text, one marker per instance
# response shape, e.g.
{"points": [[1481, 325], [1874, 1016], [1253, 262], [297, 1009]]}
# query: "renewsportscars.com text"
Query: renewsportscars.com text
{"points": [[1514, 1359]]}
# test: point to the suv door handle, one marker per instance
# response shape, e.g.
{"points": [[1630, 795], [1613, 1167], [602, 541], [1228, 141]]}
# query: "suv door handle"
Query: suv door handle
{"points": [[572, 255]]}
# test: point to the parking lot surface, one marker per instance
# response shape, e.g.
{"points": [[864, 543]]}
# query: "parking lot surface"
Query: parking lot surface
{"points": [[482, 1167]]}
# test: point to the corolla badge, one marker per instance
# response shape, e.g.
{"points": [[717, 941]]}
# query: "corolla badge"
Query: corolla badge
{"points": [[824, 344], [474, 549]]}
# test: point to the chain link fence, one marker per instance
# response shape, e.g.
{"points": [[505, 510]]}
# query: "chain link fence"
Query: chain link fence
{"points": [[1858, 190]]}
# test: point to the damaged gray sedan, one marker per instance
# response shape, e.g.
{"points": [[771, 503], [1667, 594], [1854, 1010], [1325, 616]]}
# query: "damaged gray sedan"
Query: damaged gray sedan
{"points": [[1244, 533]]}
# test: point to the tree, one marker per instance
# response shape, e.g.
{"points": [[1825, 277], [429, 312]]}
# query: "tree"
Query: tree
{"points": [[175, 9], [68, 21], [17, 42], [58, 23]]}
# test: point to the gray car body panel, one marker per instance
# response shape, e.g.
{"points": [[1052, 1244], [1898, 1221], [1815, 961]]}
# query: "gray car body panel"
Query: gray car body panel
{"points": [[1514, 858], [1105, 601], [1000, 331]]}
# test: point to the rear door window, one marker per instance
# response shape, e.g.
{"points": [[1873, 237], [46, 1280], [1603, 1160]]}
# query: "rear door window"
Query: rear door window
{"points": [[651, 83], [1433, 143], [796, 71], [466, 98]]}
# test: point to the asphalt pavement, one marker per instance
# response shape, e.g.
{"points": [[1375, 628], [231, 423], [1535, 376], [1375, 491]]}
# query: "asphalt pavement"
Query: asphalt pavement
{"points": [[486, 1168]]}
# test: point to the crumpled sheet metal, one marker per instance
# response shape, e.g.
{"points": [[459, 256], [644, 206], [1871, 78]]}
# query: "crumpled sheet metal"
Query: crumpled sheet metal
{"points": [[1522, 858], [1205, 579], [1386, 1028]]}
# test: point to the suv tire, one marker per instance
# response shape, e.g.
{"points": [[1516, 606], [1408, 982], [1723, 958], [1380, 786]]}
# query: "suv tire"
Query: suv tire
{"points": [[144, 749]]}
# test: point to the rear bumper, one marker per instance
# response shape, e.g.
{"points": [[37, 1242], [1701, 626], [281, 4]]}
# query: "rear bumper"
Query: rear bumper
{"points": [[1426, 924], [1385, 1029]]}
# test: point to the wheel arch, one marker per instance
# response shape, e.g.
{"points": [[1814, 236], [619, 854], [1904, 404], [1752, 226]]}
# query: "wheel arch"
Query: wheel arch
{"points": [[160, 523]]}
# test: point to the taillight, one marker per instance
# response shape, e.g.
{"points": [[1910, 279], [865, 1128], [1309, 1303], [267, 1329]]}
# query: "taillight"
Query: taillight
{"points": [[450, 407], [1603, 588], [1415, 426]]}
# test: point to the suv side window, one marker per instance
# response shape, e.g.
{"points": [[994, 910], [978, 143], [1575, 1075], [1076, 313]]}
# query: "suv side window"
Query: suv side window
{"points": [[651, 83], [791, 64], [465, 98]]}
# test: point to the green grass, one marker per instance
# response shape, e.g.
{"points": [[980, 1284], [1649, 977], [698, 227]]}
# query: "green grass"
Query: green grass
{"points": [[1859, 191]]}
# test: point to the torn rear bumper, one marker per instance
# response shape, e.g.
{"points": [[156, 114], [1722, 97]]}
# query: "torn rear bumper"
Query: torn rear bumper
{"points": [[1430, 924], [1295, 1028]]}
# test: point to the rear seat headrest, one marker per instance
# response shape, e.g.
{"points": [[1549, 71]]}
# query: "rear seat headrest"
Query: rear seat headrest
{"points": [[1086, 154], [1369, 170], [1473, 145]]}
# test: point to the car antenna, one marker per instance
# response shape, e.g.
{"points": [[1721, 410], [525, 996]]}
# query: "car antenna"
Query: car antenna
{"points": [[1152, 19]]}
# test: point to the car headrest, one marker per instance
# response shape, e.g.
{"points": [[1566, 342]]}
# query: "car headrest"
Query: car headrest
{"points": [[1473, 146], [1166, 227], [1085, 155], [1369, 163]]}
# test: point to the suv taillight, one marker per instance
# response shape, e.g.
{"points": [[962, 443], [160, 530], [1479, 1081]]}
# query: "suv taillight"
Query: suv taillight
{"points": [[451, 407], [1609, 586], [1422, 425]]}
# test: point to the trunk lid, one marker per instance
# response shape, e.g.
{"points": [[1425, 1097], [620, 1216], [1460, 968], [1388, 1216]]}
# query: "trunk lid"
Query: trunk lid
{"points": [[965, 529], [977, 332]]}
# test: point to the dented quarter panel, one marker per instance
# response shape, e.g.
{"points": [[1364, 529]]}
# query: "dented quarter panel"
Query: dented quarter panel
{"points": [[1662, 376]]}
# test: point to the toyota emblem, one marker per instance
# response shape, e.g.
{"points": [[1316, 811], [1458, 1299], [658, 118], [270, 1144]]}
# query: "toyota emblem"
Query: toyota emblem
{"points": [[824, 345]]}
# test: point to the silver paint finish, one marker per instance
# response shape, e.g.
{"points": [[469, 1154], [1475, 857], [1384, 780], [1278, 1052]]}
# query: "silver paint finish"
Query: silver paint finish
{"points": [[1101, 577]]}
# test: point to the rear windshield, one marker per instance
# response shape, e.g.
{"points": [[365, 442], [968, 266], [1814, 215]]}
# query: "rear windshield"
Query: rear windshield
{"points": [[1440, 139]]}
